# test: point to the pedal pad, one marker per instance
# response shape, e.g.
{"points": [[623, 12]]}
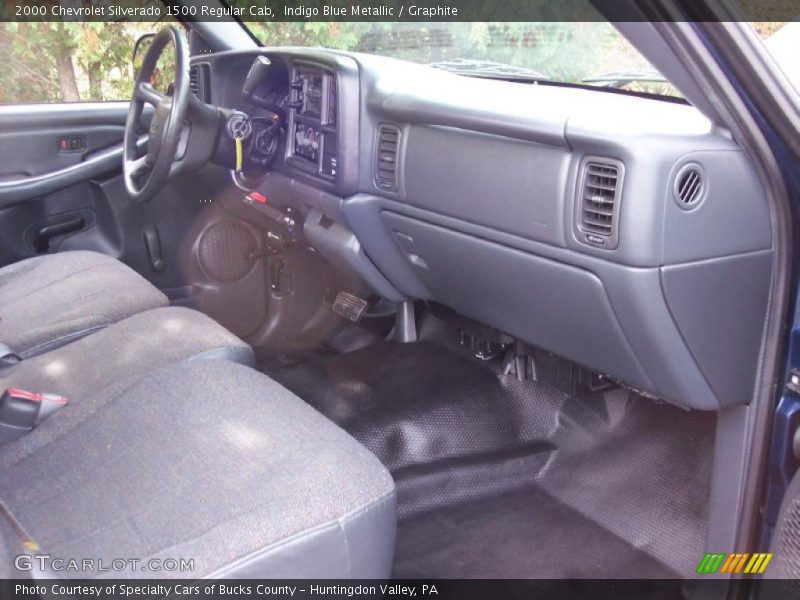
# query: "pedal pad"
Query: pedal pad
{"points": [[349, 306]]}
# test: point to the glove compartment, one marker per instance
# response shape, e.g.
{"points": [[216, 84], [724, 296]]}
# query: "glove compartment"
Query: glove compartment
{"points": [[559, 307]]}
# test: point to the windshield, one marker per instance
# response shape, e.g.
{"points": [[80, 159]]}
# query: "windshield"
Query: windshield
{"points": [[589, 53]]}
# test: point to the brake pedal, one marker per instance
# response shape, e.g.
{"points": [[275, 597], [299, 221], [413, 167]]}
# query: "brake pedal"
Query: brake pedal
{"points": [[349, 306]]}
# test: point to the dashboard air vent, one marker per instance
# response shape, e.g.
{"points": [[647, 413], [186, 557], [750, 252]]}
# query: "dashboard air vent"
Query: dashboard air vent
{"points": [[386, 158], [198, 81], [689, 186], [598, 201]]}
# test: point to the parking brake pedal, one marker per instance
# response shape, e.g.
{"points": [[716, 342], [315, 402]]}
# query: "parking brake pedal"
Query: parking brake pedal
{"points": [[348, 306]]}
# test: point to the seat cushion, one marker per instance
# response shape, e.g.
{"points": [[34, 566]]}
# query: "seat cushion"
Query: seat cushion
{"points": [[127, 350], [206, 460], [48, 300]]}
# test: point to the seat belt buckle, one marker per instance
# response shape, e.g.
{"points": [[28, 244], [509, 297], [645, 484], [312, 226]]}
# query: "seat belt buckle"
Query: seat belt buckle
{"points": [[22, 411]]}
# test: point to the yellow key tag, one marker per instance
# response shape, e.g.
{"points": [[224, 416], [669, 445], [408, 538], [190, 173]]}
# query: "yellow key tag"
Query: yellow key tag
{"points": [[239, 154]]}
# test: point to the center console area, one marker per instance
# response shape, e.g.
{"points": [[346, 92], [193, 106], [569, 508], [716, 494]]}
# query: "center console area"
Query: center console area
{"points": [[313, 119], [316, 97]]}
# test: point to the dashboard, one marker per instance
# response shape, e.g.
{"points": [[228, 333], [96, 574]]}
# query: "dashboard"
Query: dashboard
{"points": [[313, 121], [629, 235]]}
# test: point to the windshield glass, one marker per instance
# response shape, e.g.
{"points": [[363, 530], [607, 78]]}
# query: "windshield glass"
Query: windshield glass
{"points": [[589, 53], [782, 41]]}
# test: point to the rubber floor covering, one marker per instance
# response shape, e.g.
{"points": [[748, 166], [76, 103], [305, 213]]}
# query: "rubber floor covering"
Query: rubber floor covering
{"points": [[502, 478]]}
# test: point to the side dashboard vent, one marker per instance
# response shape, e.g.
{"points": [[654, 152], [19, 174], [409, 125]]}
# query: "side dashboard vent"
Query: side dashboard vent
{"points": [[689, 187], [388, 149], [598, 201], [199, 82]]}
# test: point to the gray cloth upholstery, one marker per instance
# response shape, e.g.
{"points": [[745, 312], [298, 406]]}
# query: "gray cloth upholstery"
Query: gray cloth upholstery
{"points": [[206, 460], [129, 349], [11, 544], [48, 300]]}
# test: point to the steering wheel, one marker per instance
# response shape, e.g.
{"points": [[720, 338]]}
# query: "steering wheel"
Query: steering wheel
{"points": [[145, 175]]}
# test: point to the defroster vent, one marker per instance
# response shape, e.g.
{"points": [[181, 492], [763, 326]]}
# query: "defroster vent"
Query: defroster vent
{"points": [[386, 158], [689, 186], [598, 201]]}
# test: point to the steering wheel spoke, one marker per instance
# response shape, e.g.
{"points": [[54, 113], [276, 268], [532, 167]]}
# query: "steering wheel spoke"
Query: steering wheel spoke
{"points": [[147, 93], [139, 166]]}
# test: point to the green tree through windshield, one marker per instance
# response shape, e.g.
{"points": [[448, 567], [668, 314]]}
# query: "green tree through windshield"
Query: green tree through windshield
{"points": [[69, 62]]}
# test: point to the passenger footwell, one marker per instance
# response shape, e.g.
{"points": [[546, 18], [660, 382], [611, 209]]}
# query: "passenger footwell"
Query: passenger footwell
{"points": [[501, 478]]}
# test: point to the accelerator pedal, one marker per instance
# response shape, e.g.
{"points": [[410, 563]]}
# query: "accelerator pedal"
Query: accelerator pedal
{"points": [[349, 306]]}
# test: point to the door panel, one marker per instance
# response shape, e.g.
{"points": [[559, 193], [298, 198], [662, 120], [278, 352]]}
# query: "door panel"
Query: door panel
{"points": [[56, 195], [51, 156], [45, 148], [30, 135]]}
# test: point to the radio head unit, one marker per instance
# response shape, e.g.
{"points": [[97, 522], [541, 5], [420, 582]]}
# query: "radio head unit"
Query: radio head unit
{"points": [[311, 100]]}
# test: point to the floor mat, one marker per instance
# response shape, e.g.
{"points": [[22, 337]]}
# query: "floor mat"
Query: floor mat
{"points": [[478, 456], [513, 536]]}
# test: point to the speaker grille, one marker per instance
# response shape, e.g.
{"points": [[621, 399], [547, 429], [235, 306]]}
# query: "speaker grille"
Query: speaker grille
{"points": [[227, 251]]}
